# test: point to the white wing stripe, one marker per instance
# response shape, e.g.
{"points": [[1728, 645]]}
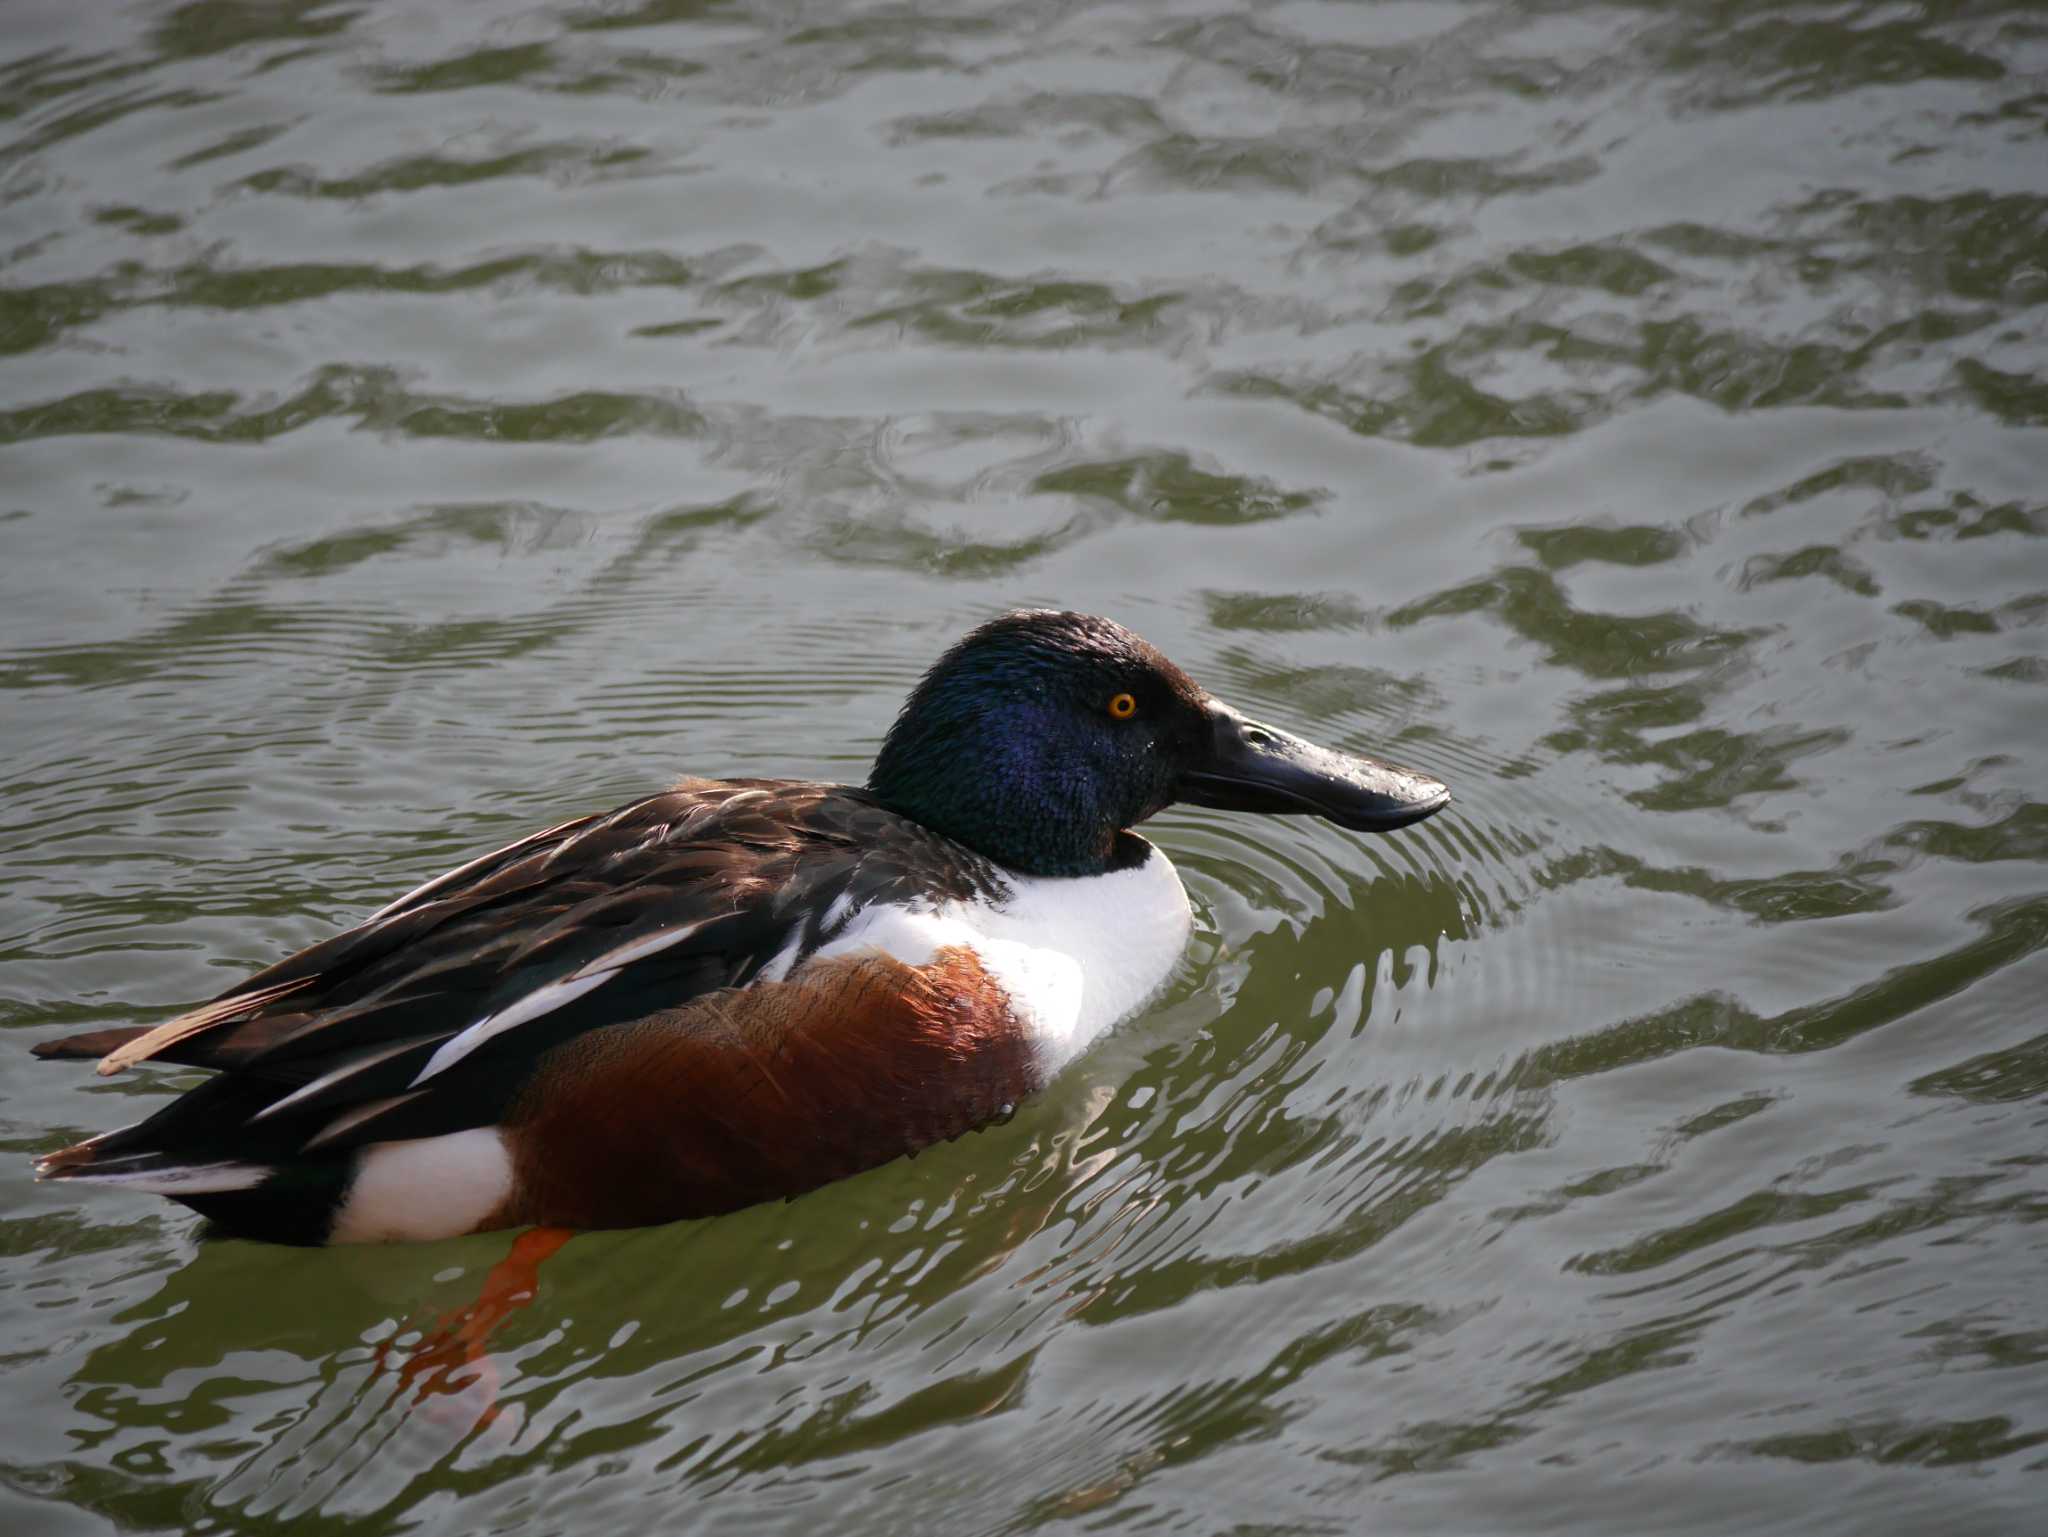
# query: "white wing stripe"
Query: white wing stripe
{"points": [[350, 1120], [542, 1000], [347, 1069], [638, 949]]}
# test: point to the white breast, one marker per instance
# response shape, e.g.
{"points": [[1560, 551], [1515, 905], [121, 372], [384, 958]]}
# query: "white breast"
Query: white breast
{"points": [[1075, 954]]}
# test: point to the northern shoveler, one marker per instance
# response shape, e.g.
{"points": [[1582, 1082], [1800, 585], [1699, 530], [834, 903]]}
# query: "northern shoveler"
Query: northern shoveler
{"points": [[732, 990]]}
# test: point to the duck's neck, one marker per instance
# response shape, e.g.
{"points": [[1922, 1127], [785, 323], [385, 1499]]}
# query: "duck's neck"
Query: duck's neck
{"points": [[1018, 828], [1006, 799]]}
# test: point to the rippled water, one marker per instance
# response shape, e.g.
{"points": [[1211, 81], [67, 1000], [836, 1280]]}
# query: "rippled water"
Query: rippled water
{"points": [[422, 422]]}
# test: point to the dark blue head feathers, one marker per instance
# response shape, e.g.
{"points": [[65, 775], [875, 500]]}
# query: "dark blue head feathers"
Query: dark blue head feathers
{"points": [[1039, 737]]}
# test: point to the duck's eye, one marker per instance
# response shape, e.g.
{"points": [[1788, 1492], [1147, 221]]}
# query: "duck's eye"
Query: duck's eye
{"points": [[1123, 707]]}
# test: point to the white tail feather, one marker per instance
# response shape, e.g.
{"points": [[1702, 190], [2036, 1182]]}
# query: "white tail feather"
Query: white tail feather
{"points": [[178, 1179]]}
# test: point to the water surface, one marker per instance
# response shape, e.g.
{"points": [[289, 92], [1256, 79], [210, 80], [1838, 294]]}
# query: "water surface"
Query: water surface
{"points": [[420, 423]]}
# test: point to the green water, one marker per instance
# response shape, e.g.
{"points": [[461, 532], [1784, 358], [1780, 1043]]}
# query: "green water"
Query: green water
{"points": [[420, 423]]}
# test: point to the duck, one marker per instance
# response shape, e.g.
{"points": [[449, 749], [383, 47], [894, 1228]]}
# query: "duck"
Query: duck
{"points": [[730, 991]]}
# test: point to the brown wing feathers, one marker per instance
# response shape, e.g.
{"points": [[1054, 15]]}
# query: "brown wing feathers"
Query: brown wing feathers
{"points": [[468, 924], [201, 1019], [196, 1037]]}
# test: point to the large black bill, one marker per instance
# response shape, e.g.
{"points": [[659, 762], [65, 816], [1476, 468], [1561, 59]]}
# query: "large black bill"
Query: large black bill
{"points": [[1251, 767]]}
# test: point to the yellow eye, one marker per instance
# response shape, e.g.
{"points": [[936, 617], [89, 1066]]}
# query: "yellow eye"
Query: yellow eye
{"points": [[1123, 707]]}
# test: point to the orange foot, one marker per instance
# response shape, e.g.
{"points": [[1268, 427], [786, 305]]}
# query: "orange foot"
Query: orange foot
{"points": [[450, 1362]]}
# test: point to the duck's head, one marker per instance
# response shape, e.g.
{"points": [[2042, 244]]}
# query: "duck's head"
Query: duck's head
{"points": [[1041, 736]]}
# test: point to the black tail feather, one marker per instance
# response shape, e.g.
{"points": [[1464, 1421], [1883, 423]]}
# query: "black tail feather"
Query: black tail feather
{"points": [[296, 1205], [92, 1044]]}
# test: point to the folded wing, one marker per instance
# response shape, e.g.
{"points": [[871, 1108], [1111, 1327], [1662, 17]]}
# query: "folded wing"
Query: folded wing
{"points": [[428, 1017]]}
